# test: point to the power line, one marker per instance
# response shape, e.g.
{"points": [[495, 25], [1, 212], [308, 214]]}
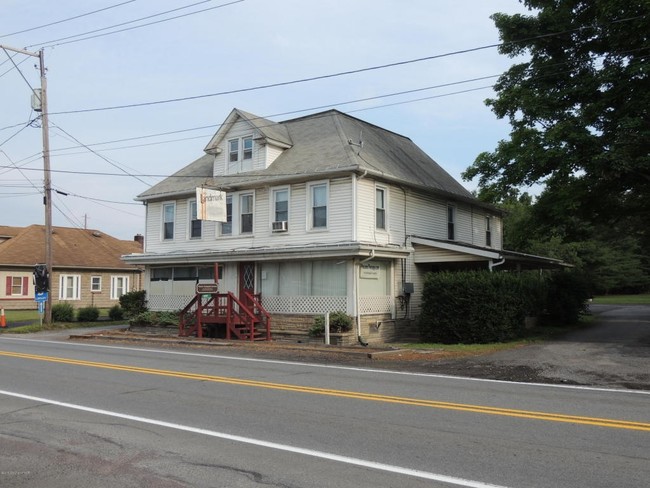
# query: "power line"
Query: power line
{"points": [[333, 75], [65, 20], [55, 42]]}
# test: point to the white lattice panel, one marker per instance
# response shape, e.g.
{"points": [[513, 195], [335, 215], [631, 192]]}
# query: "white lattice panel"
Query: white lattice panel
{"points": [[304, 304], [168, 302], [375, 304]]}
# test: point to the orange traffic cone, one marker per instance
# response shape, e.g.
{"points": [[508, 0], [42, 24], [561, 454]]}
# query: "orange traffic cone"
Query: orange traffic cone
{"points": [[3, 321]]}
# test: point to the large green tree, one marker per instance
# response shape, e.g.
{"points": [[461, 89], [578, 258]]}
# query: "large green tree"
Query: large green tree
{"points": [[578, 106]]}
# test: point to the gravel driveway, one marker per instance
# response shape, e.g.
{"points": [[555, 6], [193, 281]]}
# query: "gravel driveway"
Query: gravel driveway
{"points": [[613, 352]]}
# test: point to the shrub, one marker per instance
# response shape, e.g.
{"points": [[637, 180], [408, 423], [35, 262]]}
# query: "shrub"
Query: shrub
{"points": [[134, 303], [150, 318], [477, 306], [339, 322], [88, 314], [116, 313], [567, 297], [62, 312]]}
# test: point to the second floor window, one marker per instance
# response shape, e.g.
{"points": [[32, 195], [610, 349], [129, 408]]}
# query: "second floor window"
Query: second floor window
{"points": [[451, 222], [169, 209], [226, 227], [246, 213], [196, 225], [380, 208], [281, 205], [488, 231], [240, 154], [318, 195]]}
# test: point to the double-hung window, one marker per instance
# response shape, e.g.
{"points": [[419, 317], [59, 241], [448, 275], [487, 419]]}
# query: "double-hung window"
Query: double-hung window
{"points": [[70, 287], [380, 208], [281, 205], [233, 150], [246, 213], [119, 286], [240, 154], [451, 222], [95, 284], [318, 202], [169, 210], [488, 231], [17, 286], [196, 225], [226, 227]]}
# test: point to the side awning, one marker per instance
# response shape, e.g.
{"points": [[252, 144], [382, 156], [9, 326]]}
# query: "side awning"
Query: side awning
{"points": [[456, 255]]}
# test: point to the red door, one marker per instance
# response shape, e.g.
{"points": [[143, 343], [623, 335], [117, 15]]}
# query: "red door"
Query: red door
{"points": [[246, 281]]}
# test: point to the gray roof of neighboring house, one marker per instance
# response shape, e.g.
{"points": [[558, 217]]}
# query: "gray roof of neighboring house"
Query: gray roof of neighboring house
{"points": [[323, 144]]}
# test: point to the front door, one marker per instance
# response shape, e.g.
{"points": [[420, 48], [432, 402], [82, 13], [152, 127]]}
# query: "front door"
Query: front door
{"points": [[246, 281]]}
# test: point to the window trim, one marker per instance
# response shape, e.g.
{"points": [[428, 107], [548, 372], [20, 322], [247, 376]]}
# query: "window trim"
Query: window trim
{"points": [[228, 215], [451, 222], [76, 283], [192, 216], [310, 205], [231, 152], [165, 205], [273, 204], [125, 286], [92, 284], [240, 198], [383, 209], [488, 231]]}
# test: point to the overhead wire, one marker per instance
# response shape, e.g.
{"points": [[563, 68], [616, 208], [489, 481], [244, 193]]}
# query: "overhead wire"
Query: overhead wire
{"points": [[70, 39], [66, 20]]}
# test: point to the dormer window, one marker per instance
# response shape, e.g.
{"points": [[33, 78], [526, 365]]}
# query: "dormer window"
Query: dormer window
{"points": [[240, 154], [233, 150]]}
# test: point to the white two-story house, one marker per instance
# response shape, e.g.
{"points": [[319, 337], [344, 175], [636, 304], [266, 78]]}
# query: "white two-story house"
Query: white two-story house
{"points": [[324, 213]]}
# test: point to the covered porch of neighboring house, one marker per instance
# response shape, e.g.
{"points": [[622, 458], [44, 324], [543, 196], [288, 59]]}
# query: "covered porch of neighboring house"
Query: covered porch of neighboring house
{"points": [[275, 292]]}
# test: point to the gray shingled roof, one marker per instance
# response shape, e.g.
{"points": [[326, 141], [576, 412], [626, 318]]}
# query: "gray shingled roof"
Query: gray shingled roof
{"points": [[320, 147]]}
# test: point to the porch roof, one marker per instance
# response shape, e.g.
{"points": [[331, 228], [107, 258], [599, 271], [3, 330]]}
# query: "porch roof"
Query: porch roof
{"points": [[430, 251], [315, 251]]}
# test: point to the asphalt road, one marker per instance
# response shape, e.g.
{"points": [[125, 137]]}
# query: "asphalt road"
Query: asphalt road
{"points": [[85, 414]]}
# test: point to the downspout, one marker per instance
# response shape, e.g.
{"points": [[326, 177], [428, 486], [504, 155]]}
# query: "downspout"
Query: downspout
{"points": [[492, 264], [356, 280]]}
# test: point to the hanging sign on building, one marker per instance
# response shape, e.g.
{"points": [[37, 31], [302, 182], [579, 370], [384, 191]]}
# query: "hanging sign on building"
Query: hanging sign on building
{"points": [[211, 205]]}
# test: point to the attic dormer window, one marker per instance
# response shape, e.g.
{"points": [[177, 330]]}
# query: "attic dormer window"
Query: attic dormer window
{"points": [[240, 154]]}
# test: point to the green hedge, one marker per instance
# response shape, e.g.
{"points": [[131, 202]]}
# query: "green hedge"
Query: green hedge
{"points": [[475, 306], [481, 307]]}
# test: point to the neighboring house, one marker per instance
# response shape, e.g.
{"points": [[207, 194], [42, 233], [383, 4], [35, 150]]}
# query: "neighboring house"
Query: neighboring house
{"points": [[324, 213], [87, 267]]}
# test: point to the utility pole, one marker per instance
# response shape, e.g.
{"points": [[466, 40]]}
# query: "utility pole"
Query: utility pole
{"points": [[47, 181]]}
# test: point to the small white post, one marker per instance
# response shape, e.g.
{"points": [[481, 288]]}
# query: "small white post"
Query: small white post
{"points": [[327, 328]]}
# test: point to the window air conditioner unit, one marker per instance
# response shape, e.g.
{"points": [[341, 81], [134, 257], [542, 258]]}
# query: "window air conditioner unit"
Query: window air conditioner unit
{"points": [[280, 226]]}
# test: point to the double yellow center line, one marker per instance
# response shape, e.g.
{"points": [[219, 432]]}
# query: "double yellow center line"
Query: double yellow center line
{"points": [[551, 417]]}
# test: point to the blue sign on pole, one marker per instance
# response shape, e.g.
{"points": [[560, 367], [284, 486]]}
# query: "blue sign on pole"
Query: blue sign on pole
{"points": [[40, 297], [41, 307]]}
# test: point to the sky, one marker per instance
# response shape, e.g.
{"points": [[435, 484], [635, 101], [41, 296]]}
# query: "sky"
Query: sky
{"points": [[176, 80]]}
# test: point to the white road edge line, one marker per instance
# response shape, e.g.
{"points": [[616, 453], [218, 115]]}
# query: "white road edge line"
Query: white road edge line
{"points": [[329, 366], [261, 443]]}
